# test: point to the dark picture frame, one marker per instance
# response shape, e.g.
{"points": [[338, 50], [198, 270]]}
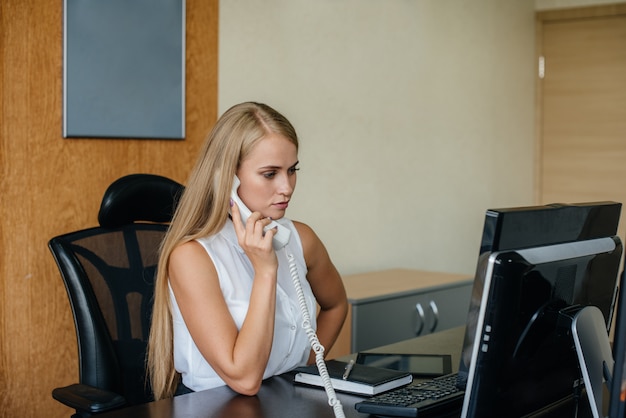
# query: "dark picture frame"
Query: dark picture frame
{"points": [[124, 69]]}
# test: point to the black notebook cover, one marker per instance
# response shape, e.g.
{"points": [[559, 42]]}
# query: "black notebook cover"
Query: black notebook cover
{"points": [[365, 380]]}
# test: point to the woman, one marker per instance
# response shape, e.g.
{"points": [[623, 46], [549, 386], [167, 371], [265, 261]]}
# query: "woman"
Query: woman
{"points": [[225, 308]]}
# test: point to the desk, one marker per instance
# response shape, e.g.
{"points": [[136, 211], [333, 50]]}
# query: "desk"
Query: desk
{"points": [[280, 398]]}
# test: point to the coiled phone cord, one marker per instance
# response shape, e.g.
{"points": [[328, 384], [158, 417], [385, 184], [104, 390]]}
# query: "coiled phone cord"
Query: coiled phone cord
{"points": [[318, 349]]}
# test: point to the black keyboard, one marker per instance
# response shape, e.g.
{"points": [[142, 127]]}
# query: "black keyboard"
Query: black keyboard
{"points": [[416, 400]]}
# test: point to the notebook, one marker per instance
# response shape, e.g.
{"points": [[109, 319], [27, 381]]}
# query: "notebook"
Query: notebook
{"points": [[362, 380]]}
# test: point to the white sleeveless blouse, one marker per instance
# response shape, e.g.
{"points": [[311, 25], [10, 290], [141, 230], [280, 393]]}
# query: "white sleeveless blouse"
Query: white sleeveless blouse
{"points": [[290, 347]]}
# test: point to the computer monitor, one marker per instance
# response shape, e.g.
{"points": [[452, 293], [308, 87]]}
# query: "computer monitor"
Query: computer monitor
{"points": [[523, 357], [532, 226]]}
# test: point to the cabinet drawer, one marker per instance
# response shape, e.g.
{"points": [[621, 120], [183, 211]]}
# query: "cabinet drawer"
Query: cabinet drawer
{"points": [[394, 319]]}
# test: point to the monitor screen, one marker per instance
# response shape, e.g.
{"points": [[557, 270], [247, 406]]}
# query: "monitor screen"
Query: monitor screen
{"points": [[522, 356]]}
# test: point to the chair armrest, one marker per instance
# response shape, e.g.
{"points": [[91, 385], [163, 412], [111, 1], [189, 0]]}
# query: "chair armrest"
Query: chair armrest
{"points": [[87, 398]]}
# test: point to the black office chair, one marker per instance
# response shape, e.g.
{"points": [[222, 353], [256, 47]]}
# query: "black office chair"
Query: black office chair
{"points": [[108, 272]]}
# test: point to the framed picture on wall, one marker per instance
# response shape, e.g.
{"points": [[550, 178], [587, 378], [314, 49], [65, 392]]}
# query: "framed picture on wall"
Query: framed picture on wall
{"points": [[124, 69]]}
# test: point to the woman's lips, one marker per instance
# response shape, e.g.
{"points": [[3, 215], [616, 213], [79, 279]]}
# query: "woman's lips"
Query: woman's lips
{"points": [[281, 205]]}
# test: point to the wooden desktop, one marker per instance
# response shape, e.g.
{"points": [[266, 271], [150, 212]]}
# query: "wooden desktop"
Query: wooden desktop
{"points": [[279, 397], [377, 291]]}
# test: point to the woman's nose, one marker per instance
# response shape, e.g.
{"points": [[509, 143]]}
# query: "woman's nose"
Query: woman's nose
{"points": [[286, 185]]}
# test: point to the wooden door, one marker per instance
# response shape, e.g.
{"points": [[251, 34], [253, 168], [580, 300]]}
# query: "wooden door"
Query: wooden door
{"points": [[582, 106]]}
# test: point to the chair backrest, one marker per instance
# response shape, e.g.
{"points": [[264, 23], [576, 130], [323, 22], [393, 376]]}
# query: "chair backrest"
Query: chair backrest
{"points": [[109, 273]]}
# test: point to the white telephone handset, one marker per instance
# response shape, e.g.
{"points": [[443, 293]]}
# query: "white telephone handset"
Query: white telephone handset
{"points": [[282, 235], [280, 240]]}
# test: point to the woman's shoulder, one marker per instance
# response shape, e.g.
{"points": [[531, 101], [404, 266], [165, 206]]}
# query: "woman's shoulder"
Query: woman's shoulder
{"points": [[186, 259], [304, 230], [308, 237], [197, 247], [226, 236], [187, 249]]}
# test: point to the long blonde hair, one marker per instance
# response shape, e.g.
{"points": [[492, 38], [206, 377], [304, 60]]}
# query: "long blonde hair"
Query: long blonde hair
{"points": [[202, 211]]}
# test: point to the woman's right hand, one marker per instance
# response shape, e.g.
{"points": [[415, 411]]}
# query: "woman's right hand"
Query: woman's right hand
{"points": [[256, 242]]}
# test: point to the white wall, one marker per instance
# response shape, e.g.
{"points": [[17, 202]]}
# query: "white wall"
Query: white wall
{"points": [[415, 116]]}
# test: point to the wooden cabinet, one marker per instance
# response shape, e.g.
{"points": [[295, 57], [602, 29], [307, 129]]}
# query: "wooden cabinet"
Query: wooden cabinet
{"points": [[394, 305]]}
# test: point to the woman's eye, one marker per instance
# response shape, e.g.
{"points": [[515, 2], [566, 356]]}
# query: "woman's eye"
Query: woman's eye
{"points": [[292, 170], [269, 175]]}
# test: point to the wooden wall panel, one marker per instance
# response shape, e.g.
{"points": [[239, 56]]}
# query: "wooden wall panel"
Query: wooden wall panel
{"points": [[581, 123], [50, 185]]}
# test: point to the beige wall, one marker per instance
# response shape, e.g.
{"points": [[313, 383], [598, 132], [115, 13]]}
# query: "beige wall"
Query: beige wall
{"points": [[414, 117]]}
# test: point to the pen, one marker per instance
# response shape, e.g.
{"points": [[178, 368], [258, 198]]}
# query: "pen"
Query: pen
{"points": [[348, 369]]}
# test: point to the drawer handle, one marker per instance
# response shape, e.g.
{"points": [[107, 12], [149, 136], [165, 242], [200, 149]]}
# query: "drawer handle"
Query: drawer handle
{"points": [[421, 318], [435, 309]]}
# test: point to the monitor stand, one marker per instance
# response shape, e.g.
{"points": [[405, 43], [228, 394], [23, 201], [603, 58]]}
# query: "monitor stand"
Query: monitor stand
{"points": [[594, 355]]}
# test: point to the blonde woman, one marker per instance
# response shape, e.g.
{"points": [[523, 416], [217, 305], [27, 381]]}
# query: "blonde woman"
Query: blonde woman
{"points": [[225, 309]]}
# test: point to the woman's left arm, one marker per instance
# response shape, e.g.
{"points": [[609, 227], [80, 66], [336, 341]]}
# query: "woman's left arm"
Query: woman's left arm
{"points": [[327, 287]]}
